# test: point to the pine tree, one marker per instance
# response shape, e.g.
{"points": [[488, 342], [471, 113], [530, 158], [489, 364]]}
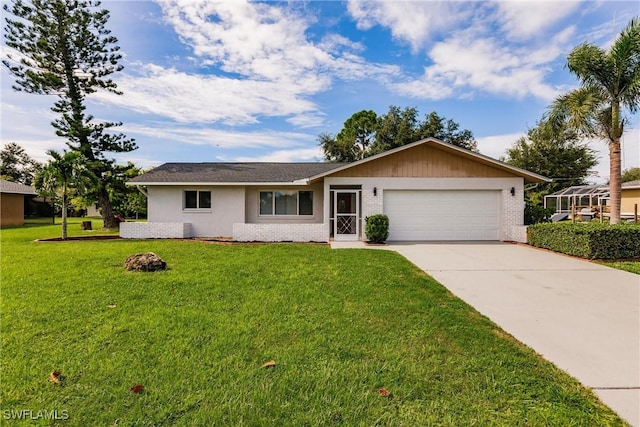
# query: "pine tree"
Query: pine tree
{"points": [[63, 48]]}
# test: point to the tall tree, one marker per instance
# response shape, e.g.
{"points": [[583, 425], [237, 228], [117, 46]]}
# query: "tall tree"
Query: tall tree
{"points": [[396, 128], [127, 200], [631, 174], [63, 175], [365, 134], [446, 130], [16, 165], [610, 85], [65, 49], [555, 153]]}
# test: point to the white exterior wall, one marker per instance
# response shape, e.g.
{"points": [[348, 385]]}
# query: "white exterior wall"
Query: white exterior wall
{"points": [[280, 232], [227, 207], [511, 210], [154, 230]]}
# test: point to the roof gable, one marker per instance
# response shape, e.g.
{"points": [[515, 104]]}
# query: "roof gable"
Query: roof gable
{"points": [[434, 159]]}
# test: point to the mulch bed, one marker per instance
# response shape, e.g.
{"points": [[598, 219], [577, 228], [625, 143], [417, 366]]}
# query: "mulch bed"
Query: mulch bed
{"points": [[77, 238]]}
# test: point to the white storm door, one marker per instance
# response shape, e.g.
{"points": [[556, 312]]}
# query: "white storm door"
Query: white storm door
{"points": [[346, 213]]}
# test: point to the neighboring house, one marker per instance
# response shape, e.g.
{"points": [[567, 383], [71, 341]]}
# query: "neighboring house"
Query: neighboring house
{"points": [[630, 198], [429, 189], [12, 196]]}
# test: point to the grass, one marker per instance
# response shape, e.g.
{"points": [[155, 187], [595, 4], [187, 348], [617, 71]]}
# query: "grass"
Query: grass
{"points": [[630, 266], [340, 325]]}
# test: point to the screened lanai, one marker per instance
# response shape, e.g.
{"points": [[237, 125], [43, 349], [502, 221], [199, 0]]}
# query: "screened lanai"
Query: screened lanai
{"points": [[577, 197]]}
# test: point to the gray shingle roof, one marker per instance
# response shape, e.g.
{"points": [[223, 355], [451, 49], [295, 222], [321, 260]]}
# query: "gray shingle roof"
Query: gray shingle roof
{"points": [[233, 172], [15, 188], [631, 184]]}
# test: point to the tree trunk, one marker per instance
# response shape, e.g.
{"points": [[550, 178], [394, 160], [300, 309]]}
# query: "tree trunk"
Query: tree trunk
{"points": [[615, 185], [108, 216], [64, 214]]}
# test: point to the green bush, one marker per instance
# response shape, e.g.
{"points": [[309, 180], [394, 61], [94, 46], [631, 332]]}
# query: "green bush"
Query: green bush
{"points": [[534, 214], [377, 228], [592, 240]]}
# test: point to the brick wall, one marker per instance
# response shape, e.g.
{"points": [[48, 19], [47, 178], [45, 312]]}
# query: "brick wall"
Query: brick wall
{"points": [[513, 216], [155, 230], [280, 232], [371, 205]]}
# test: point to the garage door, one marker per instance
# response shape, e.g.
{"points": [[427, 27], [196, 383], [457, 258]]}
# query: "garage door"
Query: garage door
{"points": [[443, 215]]}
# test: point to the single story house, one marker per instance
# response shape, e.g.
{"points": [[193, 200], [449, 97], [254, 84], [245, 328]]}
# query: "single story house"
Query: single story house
{"points": [[430, 190], [12, 200], [630, 197]]}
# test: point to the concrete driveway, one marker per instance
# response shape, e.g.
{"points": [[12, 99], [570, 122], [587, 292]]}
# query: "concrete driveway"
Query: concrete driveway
{"points": [[583, 317]]}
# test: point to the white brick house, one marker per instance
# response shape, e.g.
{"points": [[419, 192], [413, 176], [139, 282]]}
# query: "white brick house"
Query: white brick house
{"points": [[429, 189]]}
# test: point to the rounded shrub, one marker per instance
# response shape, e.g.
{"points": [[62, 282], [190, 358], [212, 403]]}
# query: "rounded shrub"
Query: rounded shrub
{"points": [[377, 228]]}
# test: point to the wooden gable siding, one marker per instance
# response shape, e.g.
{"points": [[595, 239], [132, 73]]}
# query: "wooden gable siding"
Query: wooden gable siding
{"points": [[425, 161]]}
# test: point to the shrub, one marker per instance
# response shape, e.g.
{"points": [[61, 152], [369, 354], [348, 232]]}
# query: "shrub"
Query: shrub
{"points": [[377, 228], [535, 214], [592, 240]]}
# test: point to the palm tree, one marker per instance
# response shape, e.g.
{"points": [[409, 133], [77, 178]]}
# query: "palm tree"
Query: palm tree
{"points": [[63, 174], [610, 84]]}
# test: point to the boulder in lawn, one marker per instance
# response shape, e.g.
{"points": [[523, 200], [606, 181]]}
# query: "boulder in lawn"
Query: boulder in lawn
{"points": [[145, 262]]}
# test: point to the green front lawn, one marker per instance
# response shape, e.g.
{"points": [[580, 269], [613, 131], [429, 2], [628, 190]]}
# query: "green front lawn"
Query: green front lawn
{"points": [[631, 266], [340, 325]]}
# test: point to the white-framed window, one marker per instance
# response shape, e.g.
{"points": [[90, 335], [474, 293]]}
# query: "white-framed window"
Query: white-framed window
{"points": [[286, 203], [197, 199]]}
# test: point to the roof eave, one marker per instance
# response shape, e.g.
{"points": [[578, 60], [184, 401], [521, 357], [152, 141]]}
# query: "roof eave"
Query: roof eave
{"points": [[221, 184]]}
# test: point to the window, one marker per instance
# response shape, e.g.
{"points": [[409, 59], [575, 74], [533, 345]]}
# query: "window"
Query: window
{"points": [[197, 199], [286, 203]]}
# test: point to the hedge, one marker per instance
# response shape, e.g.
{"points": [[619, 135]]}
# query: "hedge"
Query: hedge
{"points": [[592, 240]]}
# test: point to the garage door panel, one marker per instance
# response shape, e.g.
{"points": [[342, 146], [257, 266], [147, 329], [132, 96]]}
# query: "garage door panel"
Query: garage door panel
{"points": [[442, 215]]}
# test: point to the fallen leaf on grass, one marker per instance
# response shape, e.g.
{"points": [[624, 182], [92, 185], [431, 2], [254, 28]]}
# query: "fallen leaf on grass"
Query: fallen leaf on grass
{"points": [[111, 306], [137, 388], [54, 376], [270, 364], [384, 392]]}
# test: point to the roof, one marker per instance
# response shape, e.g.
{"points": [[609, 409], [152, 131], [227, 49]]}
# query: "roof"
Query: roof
{"points": [[527, 175], [581, 190], [292, 173], [232, 173], [16, 188], [631, 185]]}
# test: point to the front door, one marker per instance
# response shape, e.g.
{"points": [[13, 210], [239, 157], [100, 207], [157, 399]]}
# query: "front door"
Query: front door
{"points": [[346, 213]]}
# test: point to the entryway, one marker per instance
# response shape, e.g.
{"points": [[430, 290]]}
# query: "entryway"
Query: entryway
{"points": [[346, 215]]}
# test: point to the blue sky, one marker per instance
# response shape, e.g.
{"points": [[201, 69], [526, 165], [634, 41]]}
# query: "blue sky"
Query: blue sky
{"points": [[249, 81]]}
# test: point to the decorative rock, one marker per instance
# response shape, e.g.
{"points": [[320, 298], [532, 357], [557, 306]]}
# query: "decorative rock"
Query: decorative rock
{"points": [[145, 262]]}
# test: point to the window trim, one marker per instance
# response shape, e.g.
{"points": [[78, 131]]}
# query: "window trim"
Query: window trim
{"points": [[273, 204], [197, 208]]}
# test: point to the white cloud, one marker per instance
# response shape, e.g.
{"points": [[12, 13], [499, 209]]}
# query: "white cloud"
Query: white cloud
{"points": [[523, 19], [474, 46], [269, 66], [299, 155], [264, 41], [193, 98], [225, 139], [495, 146], [411, 21], [470, 61]]}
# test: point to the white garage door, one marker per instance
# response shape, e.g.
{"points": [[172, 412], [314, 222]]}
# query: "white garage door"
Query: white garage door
{"points": [[442, 215]]}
